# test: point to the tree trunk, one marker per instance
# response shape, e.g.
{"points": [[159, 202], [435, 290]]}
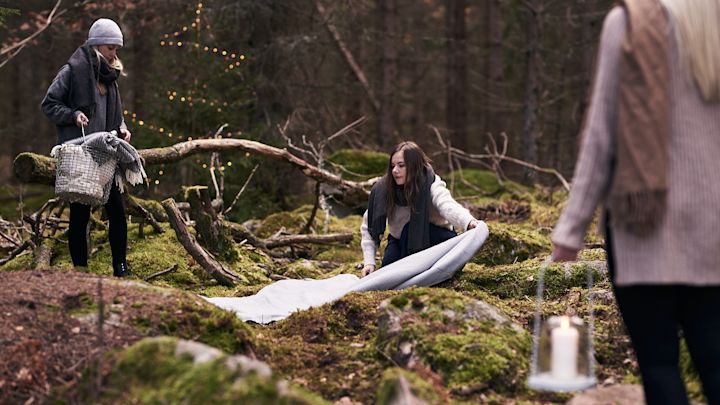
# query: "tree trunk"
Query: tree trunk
{"points": [[456, 105], [34, 168], [216, 269], [210, 231], [494, 72], [532, 87], [387, 126]]}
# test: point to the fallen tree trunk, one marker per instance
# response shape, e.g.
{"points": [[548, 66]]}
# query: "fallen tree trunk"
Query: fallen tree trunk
{"points": [[327, 239], [216, 269], [34, 168]]}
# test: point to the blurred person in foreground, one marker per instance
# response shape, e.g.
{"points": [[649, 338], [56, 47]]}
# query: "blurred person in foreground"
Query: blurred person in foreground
{"points": [[649, 156]]}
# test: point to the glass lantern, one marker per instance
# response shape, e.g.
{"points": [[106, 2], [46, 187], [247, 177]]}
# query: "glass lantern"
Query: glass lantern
{"points": [[562, 353]]}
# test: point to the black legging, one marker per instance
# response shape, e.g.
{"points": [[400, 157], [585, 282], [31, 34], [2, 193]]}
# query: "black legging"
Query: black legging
{"points": [[653, 315], [79, 218]]}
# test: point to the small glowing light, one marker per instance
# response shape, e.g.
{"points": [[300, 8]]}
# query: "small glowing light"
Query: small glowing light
{"points": [[170, 97], [204, 166], [165, 36], [176, 33], [197, 12], [141, 122], [157, 182], [182, 99], [206, 49], [199, 5], [161, 129], [229, 163], [170, 43], [237, 63], [170, 135], [189, 138], [232, 56], [219, 109], [215, 50], [197, 45], [134, 115], [224, 53], [231, 66], [161, 172], [193, 25], [125, 112], [222, 168], [184, 29], [242, 57], [179, 43], [189, 98], [174, 93]]}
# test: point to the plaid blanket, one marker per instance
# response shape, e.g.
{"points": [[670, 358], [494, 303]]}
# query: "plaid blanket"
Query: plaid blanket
{"points": [[113, 160]]}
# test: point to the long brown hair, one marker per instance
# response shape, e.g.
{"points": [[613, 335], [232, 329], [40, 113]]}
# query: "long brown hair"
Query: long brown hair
{"points": [[415, 161]]}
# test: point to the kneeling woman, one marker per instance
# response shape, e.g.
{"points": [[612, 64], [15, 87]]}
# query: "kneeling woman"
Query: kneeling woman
{"points": [[413, 202]]}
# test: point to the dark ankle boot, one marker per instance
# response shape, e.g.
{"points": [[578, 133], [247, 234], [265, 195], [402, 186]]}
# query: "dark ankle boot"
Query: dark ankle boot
{"points": [[121, 269]]}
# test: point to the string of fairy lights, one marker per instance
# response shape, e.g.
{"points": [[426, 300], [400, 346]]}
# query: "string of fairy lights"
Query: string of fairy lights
{"points": [[191, 98]]}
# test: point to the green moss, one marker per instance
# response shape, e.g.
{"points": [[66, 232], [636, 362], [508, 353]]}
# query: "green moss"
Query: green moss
{"points": [[519, 280], [454, 337], [359, 165], [150, 372], [510, 243], [420, 387], [482, 182]]}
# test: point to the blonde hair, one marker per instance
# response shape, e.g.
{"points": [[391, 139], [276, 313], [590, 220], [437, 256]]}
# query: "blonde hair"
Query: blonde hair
{"points": [[116, 63], [697, 30]]}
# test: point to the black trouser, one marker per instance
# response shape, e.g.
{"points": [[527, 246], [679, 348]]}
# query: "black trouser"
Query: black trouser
{"points": [[653, 315], [79, 218], [397, 248]]}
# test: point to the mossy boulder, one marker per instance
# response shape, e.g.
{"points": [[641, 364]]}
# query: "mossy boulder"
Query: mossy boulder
{"points": [[359, 165], [399, 386], [166, 370], [472, 345], [510, 243], [519, 280]]}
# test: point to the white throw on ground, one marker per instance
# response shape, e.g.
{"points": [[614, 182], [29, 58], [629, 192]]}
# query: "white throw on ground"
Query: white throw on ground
{"points": [[428, 267]]}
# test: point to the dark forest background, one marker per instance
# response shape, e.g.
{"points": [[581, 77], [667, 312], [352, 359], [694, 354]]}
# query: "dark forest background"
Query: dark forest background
{"points": [[307, 68]]}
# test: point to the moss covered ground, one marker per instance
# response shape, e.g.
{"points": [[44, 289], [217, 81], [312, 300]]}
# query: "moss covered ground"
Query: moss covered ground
{"points": [[344, 351]]}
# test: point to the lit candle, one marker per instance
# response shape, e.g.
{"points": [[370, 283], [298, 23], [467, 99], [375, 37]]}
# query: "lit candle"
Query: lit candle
{"points": [[564, 341]]}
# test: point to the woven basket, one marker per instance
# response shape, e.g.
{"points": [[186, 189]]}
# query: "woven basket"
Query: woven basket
{"points": [[78, 177]]}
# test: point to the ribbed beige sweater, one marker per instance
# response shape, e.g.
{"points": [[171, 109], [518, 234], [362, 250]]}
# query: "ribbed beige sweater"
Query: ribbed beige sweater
{"points": [[685, 249]]}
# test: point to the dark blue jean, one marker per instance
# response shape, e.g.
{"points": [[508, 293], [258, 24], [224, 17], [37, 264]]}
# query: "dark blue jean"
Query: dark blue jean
{"points": [[397, 248]]}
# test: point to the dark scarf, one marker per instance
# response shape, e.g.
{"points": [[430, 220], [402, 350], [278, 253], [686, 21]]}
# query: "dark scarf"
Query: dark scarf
{"points": [[87, 70], [419, 225], [639, 186]]}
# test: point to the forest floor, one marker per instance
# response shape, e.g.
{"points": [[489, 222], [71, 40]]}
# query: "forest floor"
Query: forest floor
{"points": [[48, 329]]}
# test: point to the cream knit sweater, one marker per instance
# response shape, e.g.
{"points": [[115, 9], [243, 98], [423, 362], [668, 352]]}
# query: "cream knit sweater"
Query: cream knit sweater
{"points": [[444, 211], [685, 249]]}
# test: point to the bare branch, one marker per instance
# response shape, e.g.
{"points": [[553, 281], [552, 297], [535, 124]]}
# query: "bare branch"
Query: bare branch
{"points": [[242, 189]]}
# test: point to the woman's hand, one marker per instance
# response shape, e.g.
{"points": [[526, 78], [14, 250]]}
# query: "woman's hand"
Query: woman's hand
{"points": [[474, 223], [369, 268], [125, 134], [564, 254], [81, 120]]}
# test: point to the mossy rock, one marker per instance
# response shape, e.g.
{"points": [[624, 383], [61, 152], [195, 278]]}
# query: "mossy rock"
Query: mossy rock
{"points": [[469, 343], [360, 165], [510, 243], [396, 382], [519, 280], [164, 371], [483, 182]]}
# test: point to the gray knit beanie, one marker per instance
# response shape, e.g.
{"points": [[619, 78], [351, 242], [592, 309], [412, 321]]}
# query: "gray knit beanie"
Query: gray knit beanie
{"points": [[105, 31]]}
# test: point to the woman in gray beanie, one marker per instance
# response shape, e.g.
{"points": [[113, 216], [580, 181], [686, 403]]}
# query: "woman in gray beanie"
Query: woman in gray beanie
{"points": [[85, 94]]}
